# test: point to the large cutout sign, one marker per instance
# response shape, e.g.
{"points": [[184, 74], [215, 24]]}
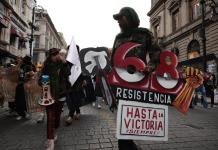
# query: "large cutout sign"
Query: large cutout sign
{"points": [[165, 85], [139, 91]]}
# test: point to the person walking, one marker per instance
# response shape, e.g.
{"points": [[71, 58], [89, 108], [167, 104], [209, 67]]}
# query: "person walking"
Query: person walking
{"points": [[200, 93], [26, 68], [53, 67], [75, 97], [128, 21], [210, 85]]}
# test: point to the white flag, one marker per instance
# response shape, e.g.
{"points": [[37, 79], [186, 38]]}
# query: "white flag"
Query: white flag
{"points": [[73, 57]]}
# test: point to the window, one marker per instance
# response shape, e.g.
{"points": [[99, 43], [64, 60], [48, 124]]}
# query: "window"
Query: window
{"points": [[193, 49], [194, 9], [35, 57], [174, 9], [12, 40], [37, 41], [21, 44], [175, 20], [175, 50]]}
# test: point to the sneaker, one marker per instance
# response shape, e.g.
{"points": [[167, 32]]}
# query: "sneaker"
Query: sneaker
{"points": [[77, 116], [41, 118], [93, 104], [19, 118], [69, 120], [50, 144], [99, 106]]}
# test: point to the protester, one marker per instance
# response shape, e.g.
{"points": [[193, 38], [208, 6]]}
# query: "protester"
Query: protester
{"points": [[75, 97], [53, 68], [130, 32], [26, 69], [210, 85], [200, 93]]}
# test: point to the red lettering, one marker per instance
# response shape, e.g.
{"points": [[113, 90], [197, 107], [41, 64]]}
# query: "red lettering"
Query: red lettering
{"points": [[137, 114], [129, 112], [151, 125], [143, 124], [154, 115], [127, 123], [160, 126], [143, 113], [149, 113], [136, 124]]}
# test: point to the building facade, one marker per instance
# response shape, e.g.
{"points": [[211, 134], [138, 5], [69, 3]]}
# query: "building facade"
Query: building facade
{"points": [[45, 36], [177, 26], [15, 27]]}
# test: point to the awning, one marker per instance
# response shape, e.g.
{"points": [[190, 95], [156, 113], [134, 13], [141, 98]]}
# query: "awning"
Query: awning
{"points": [[4, 53], [15, 32], [197, 59]]}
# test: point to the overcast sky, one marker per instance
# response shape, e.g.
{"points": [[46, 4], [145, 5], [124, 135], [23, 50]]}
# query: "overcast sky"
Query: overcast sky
{"points": [[90, 22]]}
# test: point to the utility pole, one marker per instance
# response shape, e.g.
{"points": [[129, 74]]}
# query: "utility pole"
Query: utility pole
{"points": [[32, 29]]}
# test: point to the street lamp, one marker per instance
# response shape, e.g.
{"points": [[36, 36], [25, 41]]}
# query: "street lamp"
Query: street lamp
{"points": [[33, 27]]}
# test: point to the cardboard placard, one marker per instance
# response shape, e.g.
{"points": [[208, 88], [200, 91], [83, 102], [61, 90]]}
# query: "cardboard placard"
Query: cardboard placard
{"points": [[142, 121]]}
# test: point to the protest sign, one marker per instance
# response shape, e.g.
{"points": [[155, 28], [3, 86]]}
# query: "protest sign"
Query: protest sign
{"points": [[141, 121]]}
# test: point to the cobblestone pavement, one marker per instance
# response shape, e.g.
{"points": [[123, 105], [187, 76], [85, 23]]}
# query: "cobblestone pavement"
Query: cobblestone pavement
{"points": [[198, 130]]}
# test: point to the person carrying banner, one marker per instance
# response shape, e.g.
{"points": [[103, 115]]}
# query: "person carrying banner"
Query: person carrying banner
{"points": [[128, 21], [75, 97], [52, 67]]}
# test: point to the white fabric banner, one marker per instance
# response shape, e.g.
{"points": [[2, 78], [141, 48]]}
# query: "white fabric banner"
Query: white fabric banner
{"points": [[73, 57]]}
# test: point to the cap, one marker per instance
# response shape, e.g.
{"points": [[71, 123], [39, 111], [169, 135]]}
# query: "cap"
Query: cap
{"points": [[131, 16], [53, 51], [123, 12]]}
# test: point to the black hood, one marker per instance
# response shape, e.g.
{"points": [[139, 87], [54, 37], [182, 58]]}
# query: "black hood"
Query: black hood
{"points": [[131, 16]]}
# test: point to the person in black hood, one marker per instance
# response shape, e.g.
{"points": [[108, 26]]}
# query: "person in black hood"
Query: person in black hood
{"points": [[128, 21]]}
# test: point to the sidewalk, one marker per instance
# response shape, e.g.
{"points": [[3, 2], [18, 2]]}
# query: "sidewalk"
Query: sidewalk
{"points": [[198, 130]]}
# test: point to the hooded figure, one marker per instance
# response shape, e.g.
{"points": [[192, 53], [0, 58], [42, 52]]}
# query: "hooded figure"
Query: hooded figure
{"points": [[131, 32], [131, 16]]}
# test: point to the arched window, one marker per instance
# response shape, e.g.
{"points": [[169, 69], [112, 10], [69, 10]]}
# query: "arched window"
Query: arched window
{"points": [[175, 50], [193, 49]]}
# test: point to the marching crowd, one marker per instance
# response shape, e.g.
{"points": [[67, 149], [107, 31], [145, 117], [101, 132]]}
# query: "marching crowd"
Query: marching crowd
{"points": [[58, 70]]}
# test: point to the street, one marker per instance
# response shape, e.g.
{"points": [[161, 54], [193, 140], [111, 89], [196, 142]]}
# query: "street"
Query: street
{"points": [[198, 130]]}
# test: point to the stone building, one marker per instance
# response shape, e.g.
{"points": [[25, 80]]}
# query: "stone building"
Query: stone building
{"points": [[45, 36], [176, 24], [15, 16]]}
